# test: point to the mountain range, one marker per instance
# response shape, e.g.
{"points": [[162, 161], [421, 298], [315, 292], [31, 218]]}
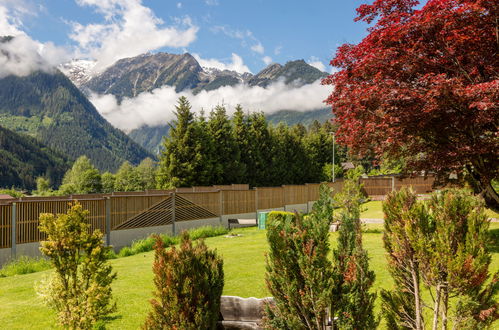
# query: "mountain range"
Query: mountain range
{"points": [[130, 77]]}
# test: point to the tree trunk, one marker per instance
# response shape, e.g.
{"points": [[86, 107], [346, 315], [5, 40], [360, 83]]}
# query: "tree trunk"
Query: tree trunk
{"points": [[483, 188], [436, 308], [445, 303], [417, 296]]}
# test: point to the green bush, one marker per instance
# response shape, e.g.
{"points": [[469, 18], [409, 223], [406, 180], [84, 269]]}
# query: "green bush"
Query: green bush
{"points": [[298, 273], [189, 281], [125, 252], [24, 265], [207, 231]]}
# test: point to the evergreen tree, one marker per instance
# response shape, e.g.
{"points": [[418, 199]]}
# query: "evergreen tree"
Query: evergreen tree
{"points": [[258, 153], [352, 302], [180, 156], [240, 135], [205, 151], [226, 157], [82, 178]]}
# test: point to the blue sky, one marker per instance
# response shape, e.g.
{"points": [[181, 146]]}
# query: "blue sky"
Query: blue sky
{"points": [[242, 35]]}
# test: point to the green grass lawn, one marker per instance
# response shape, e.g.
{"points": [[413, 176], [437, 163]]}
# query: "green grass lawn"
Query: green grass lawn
{"points": [[244, 266]]}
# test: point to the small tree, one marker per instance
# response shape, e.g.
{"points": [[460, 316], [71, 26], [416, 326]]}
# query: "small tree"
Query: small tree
{"points": [[80, 289], [324, 207], [352, 302], [189, 281], [298, 271], [402, 307]]}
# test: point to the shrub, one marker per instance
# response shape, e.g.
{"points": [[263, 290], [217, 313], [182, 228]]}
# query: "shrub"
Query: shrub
{"points": [[125, 252], [207, 231], [189, 282], [298, 271], [24, 265], [80, 288]]}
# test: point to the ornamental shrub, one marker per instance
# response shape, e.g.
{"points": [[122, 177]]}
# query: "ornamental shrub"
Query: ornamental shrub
{"points": [[189, 281], [80, 287]]}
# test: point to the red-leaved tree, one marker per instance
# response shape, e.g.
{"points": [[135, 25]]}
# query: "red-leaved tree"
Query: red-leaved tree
{"points": [[424, 86]]}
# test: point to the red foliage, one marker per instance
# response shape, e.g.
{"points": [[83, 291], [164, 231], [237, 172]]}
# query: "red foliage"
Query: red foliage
{"points": [[423, 85]]}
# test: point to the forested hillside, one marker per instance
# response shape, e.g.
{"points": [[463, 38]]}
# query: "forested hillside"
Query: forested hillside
{"points": [[50, 108], [23, 159]]}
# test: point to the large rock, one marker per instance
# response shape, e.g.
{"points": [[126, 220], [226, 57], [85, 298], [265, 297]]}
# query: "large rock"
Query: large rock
{"points": [[242, 313]]}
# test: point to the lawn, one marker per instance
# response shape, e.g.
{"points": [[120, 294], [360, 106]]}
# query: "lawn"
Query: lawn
{"points": [[244, 266]]}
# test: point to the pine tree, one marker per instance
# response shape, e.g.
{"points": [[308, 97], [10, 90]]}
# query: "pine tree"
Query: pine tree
{"points": [[352, 302], [189, 281], [240, 135], [180, 156], [227, 156], [298, 271], [258, 154]]}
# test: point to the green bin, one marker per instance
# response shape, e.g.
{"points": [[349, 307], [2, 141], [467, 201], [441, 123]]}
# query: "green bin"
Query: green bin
{"points": [[262, 219]]}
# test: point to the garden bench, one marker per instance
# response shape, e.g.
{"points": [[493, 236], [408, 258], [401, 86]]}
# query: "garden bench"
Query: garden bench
{"points": [[242, 223]]}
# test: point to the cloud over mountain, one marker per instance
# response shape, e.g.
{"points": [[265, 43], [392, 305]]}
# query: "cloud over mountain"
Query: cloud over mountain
{"points": [[156, 107]]}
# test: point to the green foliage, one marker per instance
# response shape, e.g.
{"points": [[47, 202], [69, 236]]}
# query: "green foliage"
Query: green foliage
{"points": [[49, 107], [298, 271], [24, 265], [352, 303], [82, 178], [80, 288], [327, 172], [445, 243], [324, 207], [189, 281], [108, 180], [22, 159], [128, 178], [12, 192], [147, 173]]}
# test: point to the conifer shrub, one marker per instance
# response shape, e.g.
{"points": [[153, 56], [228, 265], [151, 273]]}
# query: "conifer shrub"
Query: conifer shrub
{"points": [[80, 287], [189, 281], [298, 271], [442, 244], [353, 302]]}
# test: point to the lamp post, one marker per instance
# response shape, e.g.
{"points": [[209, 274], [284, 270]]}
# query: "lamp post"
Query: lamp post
{"points": [[332, 133]]}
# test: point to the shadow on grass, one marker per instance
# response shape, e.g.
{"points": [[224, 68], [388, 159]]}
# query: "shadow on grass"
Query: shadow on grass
{"points": [[494, 240]]}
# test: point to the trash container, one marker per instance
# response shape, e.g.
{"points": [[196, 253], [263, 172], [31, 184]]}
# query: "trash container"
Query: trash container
{"points": [[262, 219]]}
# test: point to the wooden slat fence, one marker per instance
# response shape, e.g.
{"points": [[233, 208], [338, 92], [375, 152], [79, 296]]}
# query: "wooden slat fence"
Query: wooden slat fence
{"points": [[207, 200], [270, 197], [155, 207], [238, 201], [5, 226]]}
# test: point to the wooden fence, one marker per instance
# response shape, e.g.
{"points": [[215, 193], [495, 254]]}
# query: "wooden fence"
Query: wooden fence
{"points": [[126, 210]]}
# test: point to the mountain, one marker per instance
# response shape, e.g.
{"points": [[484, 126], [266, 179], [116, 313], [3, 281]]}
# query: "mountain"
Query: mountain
{"points": [[50, 108], [23, 159], [129, 77]]}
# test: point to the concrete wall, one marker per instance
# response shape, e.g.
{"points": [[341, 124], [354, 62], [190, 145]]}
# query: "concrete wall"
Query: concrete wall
{"points": [[184, 225], [4, 255], [296, 208], [125, 237]]}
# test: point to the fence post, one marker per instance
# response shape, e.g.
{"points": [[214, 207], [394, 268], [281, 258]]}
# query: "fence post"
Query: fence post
{"points": [[221, 201], [173, 215], [393, 183], [14, 232], [108, 221]]}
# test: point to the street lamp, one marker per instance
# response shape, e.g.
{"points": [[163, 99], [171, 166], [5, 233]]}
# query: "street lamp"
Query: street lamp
{"points": [[332, 133]]}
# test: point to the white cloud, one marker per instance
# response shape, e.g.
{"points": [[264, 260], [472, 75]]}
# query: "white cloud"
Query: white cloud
{"points": [[23, 55], [258, 48], [179, 5], [237, 63], [317, 63], [148, 108], [277, 50], [211, 2], [267, 60], [129, 29]]}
